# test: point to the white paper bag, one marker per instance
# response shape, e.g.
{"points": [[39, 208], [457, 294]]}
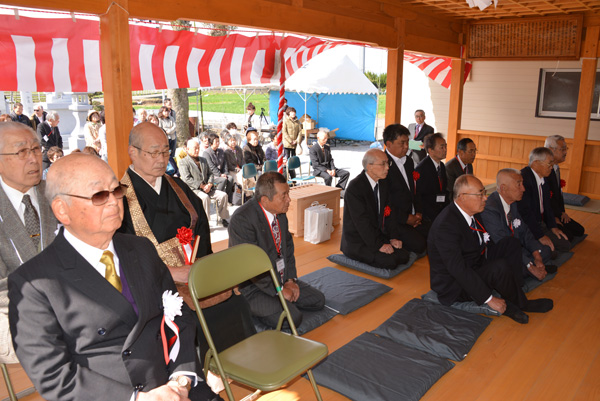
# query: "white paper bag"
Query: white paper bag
{"points": [[318, 225]]}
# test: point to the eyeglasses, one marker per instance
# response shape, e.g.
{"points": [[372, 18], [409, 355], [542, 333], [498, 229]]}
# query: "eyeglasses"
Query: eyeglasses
{"points": [[155, 154], [100, 198], [480, 194], [25, 152], [380, 164], [471, 151]]}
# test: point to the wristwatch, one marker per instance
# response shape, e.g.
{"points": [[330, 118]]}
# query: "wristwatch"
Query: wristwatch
{"points": [[295, 280], [183, 381]]}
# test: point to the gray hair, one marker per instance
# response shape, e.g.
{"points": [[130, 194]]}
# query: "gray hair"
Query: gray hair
{"points": [[52, 116], [552, 141], [265, 185], [539, 154], [369, 157], [502, 174], [7, 126], [460, 183]]}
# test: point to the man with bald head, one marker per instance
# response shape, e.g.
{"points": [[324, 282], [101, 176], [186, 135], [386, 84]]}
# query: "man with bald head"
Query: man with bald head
{"points": [[370, 230], [467, 265], [86, 314], [502, 219], [27, 223]]}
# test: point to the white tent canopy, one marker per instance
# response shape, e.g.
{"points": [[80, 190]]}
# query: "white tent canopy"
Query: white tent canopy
{"points": [[330, 75]]}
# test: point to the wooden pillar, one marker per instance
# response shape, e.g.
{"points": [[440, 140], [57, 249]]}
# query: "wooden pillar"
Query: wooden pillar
{"points": [[116, 82], [589, 64], [395, 64], [456, 99]]}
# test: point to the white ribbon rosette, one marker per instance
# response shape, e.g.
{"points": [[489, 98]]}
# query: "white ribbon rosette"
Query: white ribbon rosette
{"points": [[172, 304]]}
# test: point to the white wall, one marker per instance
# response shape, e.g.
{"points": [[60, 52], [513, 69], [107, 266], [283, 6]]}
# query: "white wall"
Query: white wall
{"points": [[500, 96]]}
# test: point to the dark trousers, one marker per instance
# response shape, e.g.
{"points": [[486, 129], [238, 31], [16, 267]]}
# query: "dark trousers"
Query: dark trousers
{"points": [[342, 175], [172, 146], [391, 261], [572, 229], [414, 239], [289, 152], [501, 271], [560, 244], [268, 308]]}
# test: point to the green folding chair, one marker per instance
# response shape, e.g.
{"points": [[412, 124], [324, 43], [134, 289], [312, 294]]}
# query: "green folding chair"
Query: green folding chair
{"points": [[267, 360], [270, 165], [248, 171], [293, 163]]}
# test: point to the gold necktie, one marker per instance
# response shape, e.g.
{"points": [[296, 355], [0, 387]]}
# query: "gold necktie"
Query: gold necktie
{"points": [[111, 273]]}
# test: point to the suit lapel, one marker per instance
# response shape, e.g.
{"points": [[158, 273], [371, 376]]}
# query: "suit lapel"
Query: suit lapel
{"points": [[48, 222], [15, 229]]}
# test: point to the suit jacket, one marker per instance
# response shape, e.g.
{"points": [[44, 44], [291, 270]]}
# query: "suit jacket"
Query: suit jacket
{"points": [[321, 158], [495, 222], [23, 119], [529, 206], [234, 159], [194, 176], [248, 225], [49, 136], [78, 338], [17, 248], [453, 171], [216, 161], [429, 187], [425, 130], [365, 228], [454, 255], [556, 195], [402, 196]]}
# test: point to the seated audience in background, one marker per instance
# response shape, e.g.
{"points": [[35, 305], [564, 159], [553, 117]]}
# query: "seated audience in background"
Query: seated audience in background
{"points": [[142, 115], [467, 265], [152, 118], [291, 135], [262, 221], [50, 135], [431, 180], [403, 197], [38, 116], [323, 165], [253, 152], [570, 227], [167, 122], [86, 314], [28, 224], [88, 150], [203, 141], [536, 206], [5, 117], [370, 231], [502, 219], [215, 156], [418, 131], [18, 116], [235, 158], [91, 130], [462, 163], [233, 131], [196, 173], [271, 148], [54, 153]]}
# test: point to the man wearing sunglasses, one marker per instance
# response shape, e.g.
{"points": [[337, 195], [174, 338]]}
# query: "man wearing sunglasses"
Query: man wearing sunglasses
{"points": [[87, 314], [27, 223]]}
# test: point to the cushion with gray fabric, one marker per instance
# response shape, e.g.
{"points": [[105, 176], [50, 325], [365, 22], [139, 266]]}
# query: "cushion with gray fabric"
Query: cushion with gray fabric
{"points": [[310, 320], [532, 282], [575, 199], [343, 260], [344, 292], [377, 369], [577, 240], [437, 329], [470, 306]]}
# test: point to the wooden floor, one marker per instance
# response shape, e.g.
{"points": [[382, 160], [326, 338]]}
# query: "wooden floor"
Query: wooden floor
{"points": [[554, 357]]}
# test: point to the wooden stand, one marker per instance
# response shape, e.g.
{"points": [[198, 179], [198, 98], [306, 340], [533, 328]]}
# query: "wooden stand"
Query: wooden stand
{"points": [[303, 196]]}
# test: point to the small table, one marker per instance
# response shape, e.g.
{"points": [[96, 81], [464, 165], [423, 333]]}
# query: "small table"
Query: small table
{"points": [[302, 197]]}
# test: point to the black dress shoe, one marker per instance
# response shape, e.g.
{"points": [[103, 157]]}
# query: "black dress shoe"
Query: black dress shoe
{"points": [[551, 269], [225, 223], [541, 305], [516, 314]]}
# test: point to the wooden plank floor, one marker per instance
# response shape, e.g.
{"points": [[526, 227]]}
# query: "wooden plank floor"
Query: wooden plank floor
{"points": [[554, 357]]}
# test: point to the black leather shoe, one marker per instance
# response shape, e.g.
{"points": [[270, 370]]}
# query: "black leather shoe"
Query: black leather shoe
{"points": [[541, 305], [551, 269], [516, 314], [225, 223]]}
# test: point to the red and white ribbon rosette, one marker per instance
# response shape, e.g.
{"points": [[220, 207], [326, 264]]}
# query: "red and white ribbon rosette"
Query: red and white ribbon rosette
{"points": [[185, 237], [172, 304]]}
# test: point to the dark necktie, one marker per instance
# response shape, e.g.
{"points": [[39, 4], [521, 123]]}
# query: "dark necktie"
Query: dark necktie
{"points": [[417, 131], [32, 221], [474, 228], [558, 175], [111, 272], [376, 194], [439, 172], [276, 234]]}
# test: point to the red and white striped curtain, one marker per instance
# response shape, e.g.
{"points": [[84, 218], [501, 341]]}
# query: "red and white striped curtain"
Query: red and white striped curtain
{"points": [[438, 69]]}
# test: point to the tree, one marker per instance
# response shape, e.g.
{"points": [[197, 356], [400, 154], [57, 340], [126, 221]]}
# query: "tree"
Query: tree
{"points": [[179, 96], [379, 80]]}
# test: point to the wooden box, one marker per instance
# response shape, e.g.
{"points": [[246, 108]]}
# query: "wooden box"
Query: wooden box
{"points": [[302, 196]]}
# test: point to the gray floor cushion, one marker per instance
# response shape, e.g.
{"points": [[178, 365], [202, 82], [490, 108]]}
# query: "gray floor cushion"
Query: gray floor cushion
{"points": [[532, 283], [433, 328], [310, 320], [577, 240], [343, 260], [376, 369], [470, 307], [574, 199], [344, 292]]}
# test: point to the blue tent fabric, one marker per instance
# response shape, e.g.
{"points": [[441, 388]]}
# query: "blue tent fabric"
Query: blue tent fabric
{"points": [[353, 114]]}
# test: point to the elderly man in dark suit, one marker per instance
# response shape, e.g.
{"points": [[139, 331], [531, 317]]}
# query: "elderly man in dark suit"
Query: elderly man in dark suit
{"points": [[27, 223], [431, 180], [196, 173], [87, 313], [570, 227], [322, 163], [467, 265], [370, 230], [502, 219], [215, 156], [49, 134], [403, 196], [462, 163], [418, 131], [536, 207], [262, 222]]}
